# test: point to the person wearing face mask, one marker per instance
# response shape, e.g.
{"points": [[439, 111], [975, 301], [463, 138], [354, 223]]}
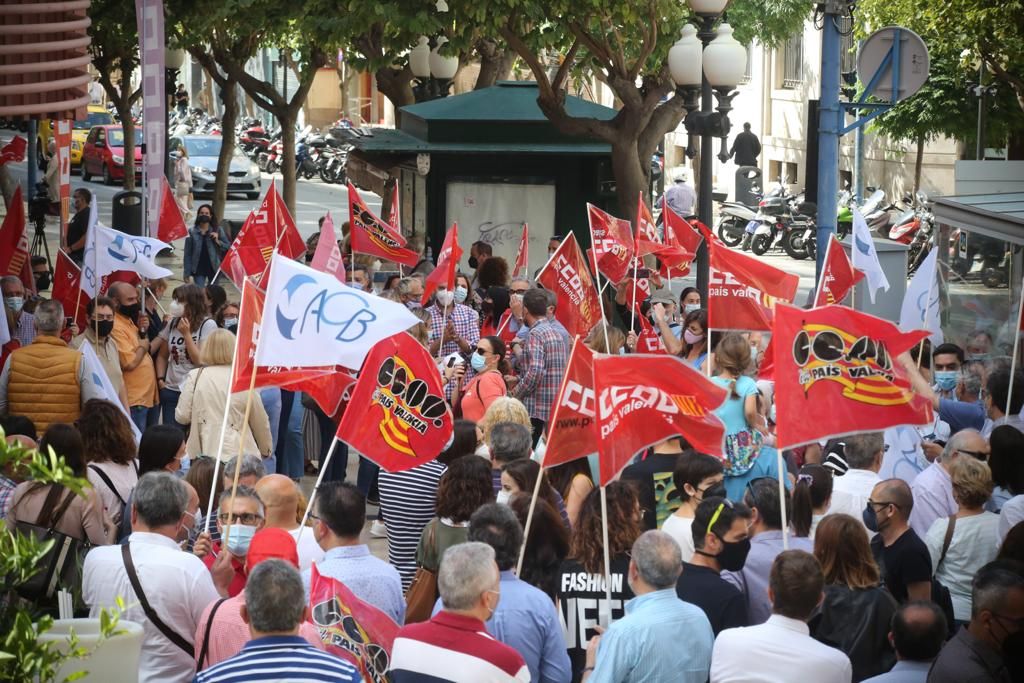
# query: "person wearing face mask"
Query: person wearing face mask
{"points": [[457, 323], [462, 291], [899, 552], [238, 524], [410, 291], [41, 273], [178, 346], [496, 314], [130, 335], [720, 540], [202, 248], [989, 648], [979, 345], [98, 335], [487, 384], [653, 474], [479, 252], [692, 345], [697, 477], [227, 317], [24, 329]]}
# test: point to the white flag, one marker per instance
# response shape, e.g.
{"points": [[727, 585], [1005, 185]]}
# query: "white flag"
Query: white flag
{"points": [[920, 310], [5, 330], [101, 386], [311, 319], [108, 250], [865, 258]]}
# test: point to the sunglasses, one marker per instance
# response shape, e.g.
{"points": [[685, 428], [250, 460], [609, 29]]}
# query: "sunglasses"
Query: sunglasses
{"points": [[482, 351]]}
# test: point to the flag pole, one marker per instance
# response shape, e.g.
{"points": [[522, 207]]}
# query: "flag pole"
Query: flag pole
{"points": [[241, 437], [636, 265], [1016, 345], [821, 280], [782, 497], [316, 487], [220, 446], [604, 617], [600, 290]]}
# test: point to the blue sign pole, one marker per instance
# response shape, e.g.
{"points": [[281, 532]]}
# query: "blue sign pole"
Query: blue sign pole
{"points": [[828, 136]]}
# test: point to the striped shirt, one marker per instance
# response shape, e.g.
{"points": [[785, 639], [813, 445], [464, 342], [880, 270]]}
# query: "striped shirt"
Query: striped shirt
{"points": [[456, 648], [280, 658], [408, 501]]}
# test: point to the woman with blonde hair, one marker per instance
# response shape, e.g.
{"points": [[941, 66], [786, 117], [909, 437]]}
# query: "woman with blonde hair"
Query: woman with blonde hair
{"points": [[604, 338], [503, 409], [203, 396], [744, 425]]}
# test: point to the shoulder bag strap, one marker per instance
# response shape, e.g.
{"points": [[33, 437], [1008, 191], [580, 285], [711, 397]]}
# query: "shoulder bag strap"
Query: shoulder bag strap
{"points": [[109, 483], [948, 539], [175, 638], [59, 514], [46, 512], [204, 650]]}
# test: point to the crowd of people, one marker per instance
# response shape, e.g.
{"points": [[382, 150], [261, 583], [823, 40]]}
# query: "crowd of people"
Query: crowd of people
{"points": [[714, 571]]}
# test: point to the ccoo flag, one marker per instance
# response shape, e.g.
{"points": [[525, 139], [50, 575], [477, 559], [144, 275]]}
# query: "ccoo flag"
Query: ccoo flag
{"points": [[327, 257], [108, 251], [371, 235], [523, 253], [836, 373], [447, 265], [171, 225], [742, 291], [311, 316], [612, 240], [838, 276], [566, 274], [398, 417], [572, 431]]}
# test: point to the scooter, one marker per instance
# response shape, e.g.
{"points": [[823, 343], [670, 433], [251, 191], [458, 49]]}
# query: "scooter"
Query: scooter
{"points": [[733, 219]]}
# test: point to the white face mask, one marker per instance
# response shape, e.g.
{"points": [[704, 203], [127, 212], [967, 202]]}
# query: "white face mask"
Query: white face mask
{"points": [[503, 497], [176, 309], [445, 297], [690, 308]]}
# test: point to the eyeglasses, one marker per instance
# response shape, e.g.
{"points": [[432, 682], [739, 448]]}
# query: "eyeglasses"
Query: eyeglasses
{"points": [[883, 503], [520, 292], [1018, 622], [247, 518], [976, 454]]}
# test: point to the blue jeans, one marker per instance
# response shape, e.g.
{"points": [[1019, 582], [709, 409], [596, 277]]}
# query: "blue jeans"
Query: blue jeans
{"points": [[139, 414], [200, 280], [291, 455], [271, 398], [168, 402], [366, 478]]}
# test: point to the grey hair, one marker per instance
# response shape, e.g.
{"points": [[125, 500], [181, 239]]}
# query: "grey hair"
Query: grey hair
{"points": [[861, 449], [658, 559], [956, 442], [510, 441], [971, 376], [497, 526], [520, 278], [404, 285], [467, 571], [49, 317], [241, 492], [10, 280], [252, 466], [159, 499], [992, 584], [274, 597]]}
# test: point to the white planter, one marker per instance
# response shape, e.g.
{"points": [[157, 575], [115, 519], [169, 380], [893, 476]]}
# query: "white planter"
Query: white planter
{"points": [[114, 660]]}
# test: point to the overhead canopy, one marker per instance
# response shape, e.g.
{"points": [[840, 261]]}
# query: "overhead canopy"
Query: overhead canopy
{"points": [[994, 215]]}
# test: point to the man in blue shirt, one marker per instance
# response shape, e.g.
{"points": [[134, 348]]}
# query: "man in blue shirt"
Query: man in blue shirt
{"points": [[918, 634], [661, 639]]}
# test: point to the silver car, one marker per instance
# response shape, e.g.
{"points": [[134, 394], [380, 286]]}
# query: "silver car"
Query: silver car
{"points": [[203, 155]]}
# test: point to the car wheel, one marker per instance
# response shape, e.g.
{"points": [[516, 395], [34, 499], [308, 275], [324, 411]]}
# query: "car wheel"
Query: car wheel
{"points": [[86, 176], [108, 178]]}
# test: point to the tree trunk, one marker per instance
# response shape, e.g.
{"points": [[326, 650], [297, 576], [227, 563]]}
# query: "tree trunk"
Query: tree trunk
{"points": [[286, 117], [1015, 147], [918, 162], [227, 146], [630, 179], [124, 110], [396, 85], [495, 65]]}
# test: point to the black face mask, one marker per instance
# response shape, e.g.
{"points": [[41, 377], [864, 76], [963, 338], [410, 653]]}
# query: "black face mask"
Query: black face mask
{"points": [[733, 555], [870, 516], [473, 262], [714, 491], [103, 327], [42, 281], [130, 312]]}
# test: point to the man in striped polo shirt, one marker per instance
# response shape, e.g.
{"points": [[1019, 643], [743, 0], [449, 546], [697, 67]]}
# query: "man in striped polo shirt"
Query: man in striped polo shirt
{"points": [[275, 606], [454, 645]]}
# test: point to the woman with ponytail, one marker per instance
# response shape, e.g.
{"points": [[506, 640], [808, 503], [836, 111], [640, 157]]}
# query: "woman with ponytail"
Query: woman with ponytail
{"points": [[812, 495], [744, 426]]}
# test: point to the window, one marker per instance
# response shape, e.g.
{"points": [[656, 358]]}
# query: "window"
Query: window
{"points": [[793, 62]]}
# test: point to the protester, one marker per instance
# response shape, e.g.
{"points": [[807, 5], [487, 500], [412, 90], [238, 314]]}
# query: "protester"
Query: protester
{"points": [[694, 346], [766, 532], [216, 299], [984, 649], [547, 543], [504, 409], [464, 487], [175, 585], [78, 225], [203, 249], [98, 335], [227, 317], [205, 392], [857, 610], [964, 542], [110, 451], [458, 324], [337, 523], [721, 542], [470, 586], [151, 307], [410, 291], [850, 492], [544, 361], [812, 496], [581, 587], [697, 477], [252, 471], [997, 393], [23, 329], [573, 481], [520, 476], [782, 648], [276, 611], [917, 633], [464, 441], [743, 422], [241, 516], [644, 645], [487, 384], [652, 474], [1006, 445], [280, 497], [1012, 547], [408, 500], [133, 346], [605, 338], [496, 315], [54, 506], [479, 253], [900, 553], [508, 442], [933, 489], [162, 449], [200, 476], [178, 348]]}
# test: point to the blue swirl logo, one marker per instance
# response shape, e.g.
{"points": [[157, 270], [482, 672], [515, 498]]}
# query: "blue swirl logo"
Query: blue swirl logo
{"points": [[317, 308]]}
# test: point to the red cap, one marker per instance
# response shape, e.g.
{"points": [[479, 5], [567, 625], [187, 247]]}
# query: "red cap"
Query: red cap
{"points": [[270, 544]]}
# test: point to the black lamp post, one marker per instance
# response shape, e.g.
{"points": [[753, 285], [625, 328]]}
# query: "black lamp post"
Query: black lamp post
{"points": [[433, 71]]}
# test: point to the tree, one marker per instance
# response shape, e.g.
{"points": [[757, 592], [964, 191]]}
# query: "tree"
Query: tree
{"points": [[115, 50]]}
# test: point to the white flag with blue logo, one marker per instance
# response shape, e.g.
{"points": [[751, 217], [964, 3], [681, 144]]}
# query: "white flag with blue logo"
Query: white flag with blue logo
{"points": [[865, 258], [920, 310], [108, 250], [311, 319], [101, 386]]}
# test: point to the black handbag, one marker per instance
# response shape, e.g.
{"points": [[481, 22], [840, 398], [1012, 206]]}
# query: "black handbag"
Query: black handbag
{"points": [[61, 565]]}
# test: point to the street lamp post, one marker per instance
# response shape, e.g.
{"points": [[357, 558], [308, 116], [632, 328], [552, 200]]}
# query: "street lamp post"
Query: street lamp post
{"points": [[173, 61], [706, 65], [433, 71]]}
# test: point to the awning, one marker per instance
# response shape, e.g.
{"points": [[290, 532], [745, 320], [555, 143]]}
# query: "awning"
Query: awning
{"points": [[994, 215]]}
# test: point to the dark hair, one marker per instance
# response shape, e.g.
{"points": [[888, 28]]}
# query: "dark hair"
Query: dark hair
{"points": [[1007, 458], [687, 291], [493, 273], [482, 248], [992, 584], [918, 630], [949, 348], [535, 301], [1013, 545], [84, 192], [797, 582], [561, 476], [106, 433], [213, 216], [624, 526], [998, 388], [498, 347], [692, 468], [707, 508], [19, 425], [813, 487], [922, 354], [699, 316], [100, 301], [67, 443], [500, 297], [200, 476], [465, 486], [497, 526], [342, 507], [158, 447], [218, 298], [763, 494], [547, 544], [524, 473], [191, 296], [463, 442]]}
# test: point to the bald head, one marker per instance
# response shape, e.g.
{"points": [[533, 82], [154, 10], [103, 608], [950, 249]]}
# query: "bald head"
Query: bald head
{"points": [[897, 492], [280, 497], [123, 293]]}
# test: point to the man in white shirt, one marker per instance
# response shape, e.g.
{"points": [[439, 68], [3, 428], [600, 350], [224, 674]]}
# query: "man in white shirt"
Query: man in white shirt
{"points": [[280, 496], [781, 649], [175, 584], [850, 492]]}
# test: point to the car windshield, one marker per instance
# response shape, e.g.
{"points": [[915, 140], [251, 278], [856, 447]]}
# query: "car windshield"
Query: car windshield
{"points": [[203, 147], [94, 118], [115, 136]]}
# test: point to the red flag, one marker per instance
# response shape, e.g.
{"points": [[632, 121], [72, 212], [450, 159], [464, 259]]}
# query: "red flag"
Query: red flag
{"points": [[742, 291], [395, 215], [572, 431], [264, 230], [647, 241], [371, 235], [766, 370], [66, 287], [643, 399], [705, 232], [566, 274], [172, 225], [447, 265], [838, 276], [612, 240], [14, 244], [648, 341], [13, 150], [836, 373], [678, 231], [397, 417], [351, 628], [327, 257], [523, 253]]}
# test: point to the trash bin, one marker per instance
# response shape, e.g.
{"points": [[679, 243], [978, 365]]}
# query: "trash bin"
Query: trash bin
{"points": [[126, 212], [748, 185]]}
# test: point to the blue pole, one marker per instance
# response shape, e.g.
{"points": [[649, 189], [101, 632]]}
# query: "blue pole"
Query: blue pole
{"points": [[828, 137], [858, 158], [33, 158]]}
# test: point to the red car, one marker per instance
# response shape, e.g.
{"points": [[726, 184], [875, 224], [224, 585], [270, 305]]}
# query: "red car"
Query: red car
{"points": [[103, 154]]}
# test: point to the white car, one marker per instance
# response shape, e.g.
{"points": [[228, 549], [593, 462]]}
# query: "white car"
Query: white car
{"points": [[203, 155]]}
